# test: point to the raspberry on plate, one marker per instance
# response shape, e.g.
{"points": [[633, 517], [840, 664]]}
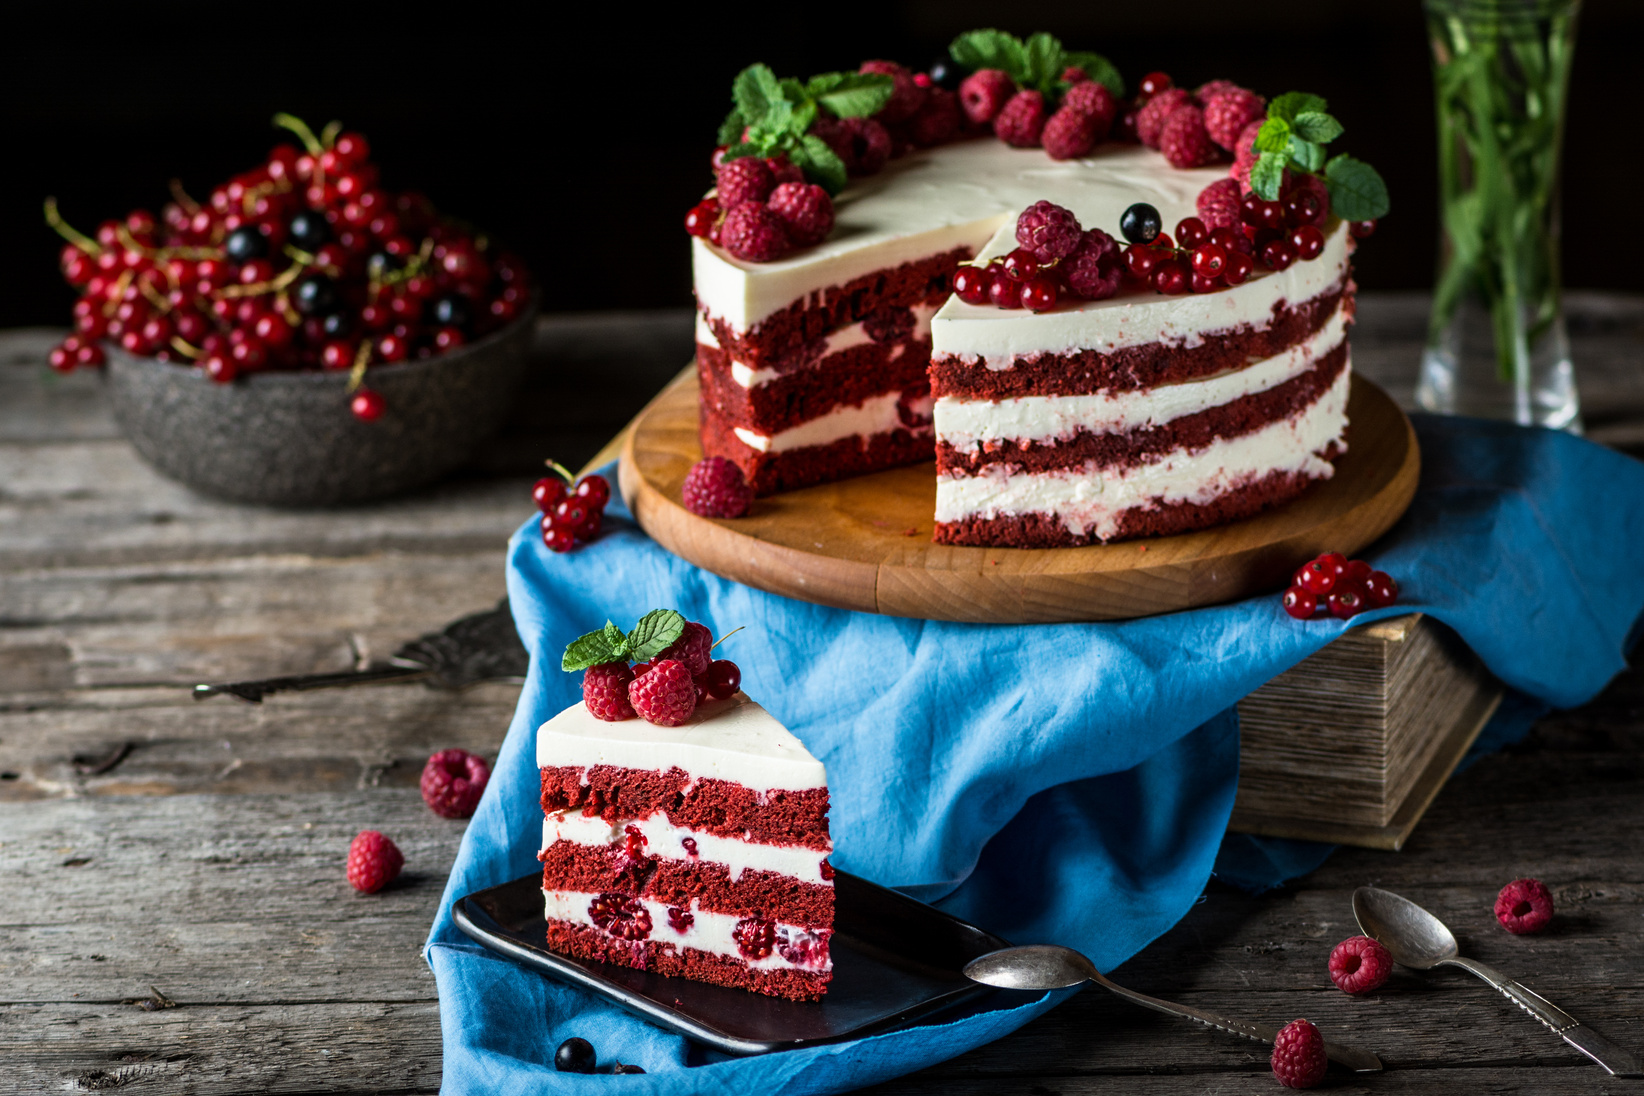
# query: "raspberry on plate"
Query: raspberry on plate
{"points": [[1359, 964], [715, 488], [452, 783], [665, 695], [1299, 1060], [373, 861], [1524, 906]]}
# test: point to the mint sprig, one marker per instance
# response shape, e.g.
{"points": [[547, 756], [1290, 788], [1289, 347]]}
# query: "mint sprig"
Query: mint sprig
{"points": [[773, 117], [1037, 63], [1293, 137], [656, 632]]}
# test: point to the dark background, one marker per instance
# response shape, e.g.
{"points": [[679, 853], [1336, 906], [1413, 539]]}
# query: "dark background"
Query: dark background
{"points": [[580, 136]]}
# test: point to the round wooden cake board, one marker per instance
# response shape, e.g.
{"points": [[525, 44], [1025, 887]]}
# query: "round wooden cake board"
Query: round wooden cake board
{"points": [[865, 543]]}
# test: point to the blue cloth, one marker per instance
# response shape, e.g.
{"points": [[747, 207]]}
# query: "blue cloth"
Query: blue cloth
{"points": [[1066, 783]]}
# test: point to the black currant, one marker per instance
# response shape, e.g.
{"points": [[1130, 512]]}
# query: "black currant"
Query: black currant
{"points": [[246, 243], [316, 296], [946, 74], [575, 1056], [381, 264], [336, 325], [309, 231], [452, 310], [1141, 223]]}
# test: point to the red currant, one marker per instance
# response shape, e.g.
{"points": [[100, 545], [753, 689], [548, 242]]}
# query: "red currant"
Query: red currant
{"points": [[1260, 213], [1316, 577], [1021, 265], [1302, 207], [61, 359], [447, 339], [1162, 242], [589, 529], [1335, 562], [1005, 291], [571, 512], [971, 284], [350, 148], [1357, 572], [1191, 232], [1346, 602], [250, 354], [392, 348], [1239, 266], [1140, 259], [1278, 254], [1169, 278], [1380, 590], [1308, 242], [88, 354], [1361, 229], [1152, 84], [724, 678], [1039, 295], [1209, 260], [547, 493], [220, 368], [557, 537], [368, 405], [1198, 283], [1300, 603], [337, 354], [272, 329], [700, 220], [256, 271], [593, 491]]}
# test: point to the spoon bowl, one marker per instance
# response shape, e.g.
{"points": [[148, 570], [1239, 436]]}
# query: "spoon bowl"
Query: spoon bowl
{"points": [[1036, 967], [1415, 937]]}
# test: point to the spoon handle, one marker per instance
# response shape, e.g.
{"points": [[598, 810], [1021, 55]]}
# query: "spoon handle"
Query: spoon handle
{"points": [[1616, 1059], [1361, 1061]]}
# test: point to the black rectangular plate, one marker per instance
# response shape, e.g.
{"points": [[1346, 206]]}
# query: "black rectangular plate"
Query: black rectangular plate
{"points": [[895, 960]]}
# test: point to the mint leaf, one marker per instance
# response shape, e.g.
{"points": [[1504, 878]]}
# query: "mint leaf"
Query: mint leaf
{"points": [[654, 633], [730, 130], [596, 648], [992, 49], [1268, 175], [820, 163], [1098, 68], [803, 115], [1293, 103], [739, 150], [1357, 192], [1306, 155], [851, 94], [1315, 125], [1044, 61], [756, 91], [1274, 136]]}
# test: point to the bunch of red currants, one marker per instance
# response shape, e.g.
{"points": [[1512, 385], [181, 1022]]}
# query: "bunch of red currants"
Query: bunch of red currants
{"points": [[572, 509], [1342, 587]]}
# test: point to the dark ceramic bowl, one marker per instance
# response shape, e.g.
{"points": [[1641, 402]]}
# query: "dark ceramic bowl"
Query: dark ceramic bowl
{"points": [[289, 439]]}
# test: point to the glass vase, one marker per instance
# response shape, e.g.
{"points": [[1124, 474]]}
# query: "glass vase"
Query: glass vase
{"points": [[1496, 344]]}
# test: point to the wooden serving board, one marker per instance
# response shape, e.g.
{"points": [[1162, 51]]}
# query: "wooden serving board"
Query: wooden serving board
{"points": [[865, 543]]}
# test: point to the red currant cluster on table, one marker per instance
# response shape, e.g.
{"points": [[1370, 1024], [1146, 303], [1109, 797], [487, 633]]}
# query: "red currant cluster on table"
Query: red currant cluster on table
{"points": [[1340, 587], [674, 670], [572, 509], [303, 262]]}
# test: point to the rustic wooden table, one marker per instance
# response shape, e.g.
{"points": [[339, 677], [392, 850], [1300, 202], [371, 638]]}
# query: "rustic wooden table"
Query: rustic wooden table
{"points": [[158, 852]]}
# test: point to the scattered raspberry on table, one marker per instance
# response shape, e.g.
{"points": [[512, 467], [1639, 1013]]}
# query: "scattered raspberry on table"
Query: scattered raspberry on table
{"points": [[453, 781], [373, 861], [1360, 964], [1299, 1060], [1524, 906]]}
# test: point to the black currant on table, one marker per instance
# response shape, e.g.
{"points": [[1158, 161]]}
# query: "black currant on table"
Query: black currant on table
{"points": [[575, 1056]]}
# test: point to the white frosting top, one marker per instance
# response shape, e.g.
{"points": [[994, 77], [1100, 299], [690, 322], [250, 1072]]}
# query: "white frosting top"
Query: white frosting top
{"points": [[733, 740], [938, 199]]}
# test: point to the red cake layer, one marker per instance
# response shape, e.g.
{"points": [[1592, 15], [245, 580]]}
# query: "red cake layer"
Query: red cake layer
{"points": [[821, 312], [719, 807], [594, 869], [1137, 367], [848, 377], [794, 468], [588, 942], [1041, 530], [1242, 416]]}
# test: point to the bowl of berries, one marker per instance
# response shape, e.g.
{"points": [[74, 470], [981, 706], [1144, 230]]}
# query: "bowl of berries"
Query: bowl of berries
{"points": [[304, 337]]}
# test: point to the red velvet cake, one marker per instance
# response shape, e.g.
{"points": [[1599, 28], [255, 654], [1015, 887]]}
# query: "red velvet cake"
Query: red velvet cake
{"points": [[699, 851]]}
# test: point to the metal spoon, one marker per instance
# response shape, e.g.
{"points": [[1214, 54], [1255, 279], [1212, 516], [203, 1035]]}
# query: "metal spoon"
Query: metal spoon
{"points": [[1419, 940], [1046, 966]]}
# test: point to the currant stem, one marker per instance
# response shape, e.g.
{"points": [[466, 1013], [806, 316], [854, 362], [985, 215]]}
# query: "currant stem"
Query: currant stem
{"points": [[182, 198], [356, 375], [328, 135], [563, 472], [68, 232], [187, 350], [727, 635], [300, 128]]}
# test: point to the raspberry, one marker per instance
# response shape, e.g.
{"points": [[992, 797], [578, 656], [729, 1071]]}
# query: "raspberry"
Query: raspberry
{"points": [[1068, 135], [1074, 75], [452, 783], [937, 121], [1096, 266], [1094, 100], [373, 862], [784, 170], [801, 948], [620, 915], [907, 96], [1048, 230], [1218, 204], [605, 691], [680, 919], [1227, 113], [755, 937], [1359, 964], [1150, 120], [747, 179], [806, 211], [753, 232], [1184, 141], [665, 695], [1245, 154], [714, 488], [1215, 87], [1298, 1055], [984, 93], [1022, 120], [1524, 905], [692, 648], [862, 143]]}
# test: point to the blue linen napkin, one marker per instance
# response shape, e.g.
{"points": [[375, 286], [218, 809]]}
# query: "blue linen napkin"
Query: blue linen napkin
{"points": [[1066, 783]]}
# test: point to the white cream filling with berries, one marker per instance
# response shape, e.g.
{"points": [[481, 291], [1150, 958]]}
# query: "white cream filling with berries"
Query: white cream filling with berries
{"points": [[846, 338], [1089, 500], [970, 424], [874, 415], [708, 931], [663, 838]]}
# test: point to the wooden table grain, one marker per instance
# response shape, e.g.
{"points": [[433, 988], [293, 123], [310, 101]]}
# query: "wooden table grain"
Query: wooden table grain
{"points": [[173, 912]]}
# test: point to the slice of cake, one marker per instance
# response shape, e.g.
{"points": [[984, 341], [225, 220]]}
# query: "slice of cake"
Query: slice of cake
{"points": [[699, 851]]}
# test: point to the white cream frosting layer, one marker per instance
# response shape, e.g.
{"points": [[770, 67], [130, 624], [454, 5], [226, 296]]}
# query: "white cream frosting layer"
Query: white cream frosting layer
{"points": [[874, 415], [967, 424], [845, 338], [708, 931], [732, 739], [1089, 500], [1136, 317], [665, 839], [933, 201]]}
